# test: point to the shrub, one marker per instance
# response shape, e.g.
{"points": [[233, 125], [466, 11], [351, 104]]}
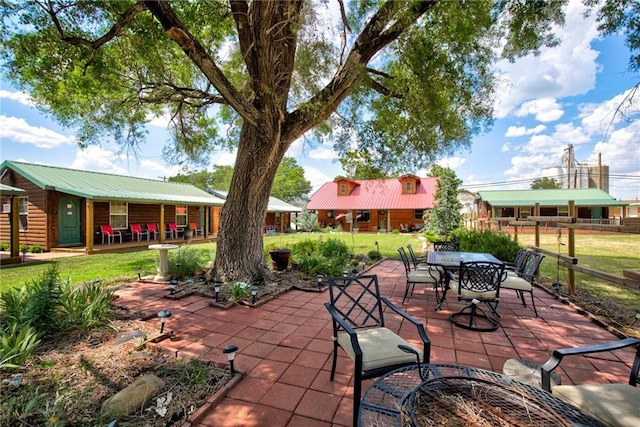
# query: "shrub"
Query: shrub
{"points": [[24, 248], [395, 231], [16, 345], [86, 305], [239, 291], [374, 255], [499, 244], [35, 249], [4, 246], [35, 303], [186, 261]]}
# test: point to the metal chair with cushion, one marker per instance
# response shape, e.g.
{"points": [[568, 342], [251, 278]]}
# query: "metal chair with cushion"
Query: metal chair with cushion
{"points": [[518, 263], [418, 263], [195, 229], [451, 246], [357, 313], [477, 282], [418, 276], [524, 281], [614, 404]]}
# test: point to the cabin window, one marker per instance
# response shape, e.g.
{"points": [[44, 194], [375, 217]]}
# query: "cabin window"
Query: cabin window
{"points": [[343, 188], [418, 214], [23, 209], [525, 211], [118, 215], [181, 216], [563, 210], [408, 186], [363, 216]]}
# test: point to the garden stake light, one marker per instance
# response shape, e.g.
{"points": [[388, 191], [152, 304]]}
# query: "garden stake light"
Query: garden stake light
{"points": [[556, 289], [163, 315], [139, 271], [377, 246], [319, 278], [230, 351], [345, 273], [174, 285], [254, 292], [216, 289]]}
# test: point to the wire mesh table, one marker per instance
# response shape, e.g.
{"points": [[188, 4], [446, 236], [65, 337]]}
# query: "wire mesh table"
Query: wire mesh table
{"points": [[454, 395]]}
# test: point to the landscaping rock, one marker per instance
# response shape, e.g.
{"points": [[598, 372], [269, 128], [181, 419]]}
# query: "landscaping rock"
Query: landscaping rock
{"points": [[133, 397]]}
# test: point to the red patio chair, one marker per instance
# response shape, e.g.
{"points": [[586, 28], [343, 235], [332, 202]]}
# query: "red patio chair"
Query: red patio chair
{"points": [[152, 229], [172, 230], [136, 232], [195, 228], [108, 232]]}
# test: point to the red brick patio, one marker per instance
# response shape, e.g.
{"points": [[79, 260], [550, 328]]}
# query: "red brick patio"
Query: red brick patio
{"points": [[285, 346]]}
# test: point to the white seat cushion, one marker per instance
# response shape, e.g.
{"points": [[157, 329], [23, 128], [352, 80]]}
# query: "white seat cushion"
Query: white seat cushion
{"points": [[490, 295], [616, 405], [421, 276], [517, 283], [379, 348]]}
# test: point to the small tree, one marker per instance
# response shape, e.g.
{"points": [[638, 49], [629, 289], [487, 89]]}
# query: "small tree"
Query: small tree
{"points": [[445, 216], [544, 183], [306, 221]]}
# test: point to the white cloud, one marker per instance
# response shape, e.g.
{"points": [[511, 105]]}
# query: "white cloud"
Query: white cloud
{"points": [[20, 131], [598, 118], [316, 177], [96, 158], [506, 147], [528, 167], [515, 131], [451, 162], [544, 109], [20, 97], [323, 153], [565, 70], [224, 158]]}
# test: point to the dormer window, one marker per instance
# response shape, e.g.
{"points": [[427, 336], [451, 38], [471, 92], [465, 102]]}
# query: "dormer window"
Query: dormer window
{"points": [[408, 186], [343, 188]]}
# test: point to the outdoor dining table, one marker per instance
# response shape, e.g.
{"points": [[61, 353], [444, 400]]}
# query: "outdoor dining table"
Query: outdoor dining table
{"points": [[444, 394], [450, 261]]}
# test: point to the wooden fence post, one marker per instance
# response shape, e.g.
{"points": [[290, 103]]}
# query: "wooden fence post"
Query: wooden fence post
{"points": [[571, 279]]}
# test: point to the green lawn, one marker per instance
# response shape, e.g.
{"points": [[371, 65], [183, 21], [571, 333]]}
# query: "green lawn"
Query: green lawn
{"points": [[609, 253], [115, 268]]}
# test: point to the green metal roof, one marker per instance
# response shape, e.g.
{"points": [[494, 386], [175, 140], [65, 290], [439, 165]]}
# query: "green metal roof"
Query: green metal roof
{"points": [[7, 190], [555, 197], [104, 186]]}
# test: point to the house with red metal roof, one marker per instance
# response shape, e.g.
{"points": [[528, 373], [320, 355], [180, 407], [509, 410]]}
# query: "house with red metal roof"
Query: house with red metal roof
{"points": [[374, 205]]}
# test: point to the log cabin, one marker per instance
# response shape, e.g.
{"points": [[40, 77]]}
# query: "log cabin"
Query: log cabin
{"points": [[65, 208]]}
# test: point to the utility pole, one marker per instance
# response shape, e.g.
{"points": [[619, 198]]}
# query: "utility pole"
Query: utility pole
{"points": [[600, 171]]}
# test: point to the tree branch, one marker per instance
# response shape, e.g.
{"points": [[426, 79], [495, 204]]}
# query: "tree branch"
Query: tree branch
{"points": [[389, 22], [177, 32], [380, 88]]}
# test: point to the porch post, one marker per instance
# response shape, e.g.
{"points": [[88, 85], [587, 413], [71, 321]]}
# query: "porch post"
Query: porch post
{"points": [[15, 226], [161, 225], [88, 226]]}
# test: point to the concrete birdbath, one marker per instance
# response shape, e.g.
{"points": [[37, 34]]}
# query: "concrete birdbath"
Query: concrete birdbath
{"points": [[163, 265]]}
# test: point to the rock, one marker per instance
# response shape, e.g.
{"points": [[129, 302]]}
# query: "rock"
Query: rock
{"points": [[527, 372], [133, 397]]}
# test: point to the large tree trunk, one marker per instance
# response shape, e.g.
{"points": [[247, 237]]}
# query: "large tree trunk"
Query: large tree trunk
{"points": [[240, 253]]}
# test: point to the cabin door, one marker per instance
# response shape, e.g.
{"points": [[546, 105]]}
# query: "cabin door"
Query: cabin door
{"points": [[69, 221]]}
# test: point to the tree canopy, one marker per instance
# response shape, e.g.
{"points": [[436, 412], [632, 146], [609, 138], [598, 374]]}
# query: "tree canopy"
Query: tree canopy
{"points": [[544, 183], [405, 81], [289, 184]]}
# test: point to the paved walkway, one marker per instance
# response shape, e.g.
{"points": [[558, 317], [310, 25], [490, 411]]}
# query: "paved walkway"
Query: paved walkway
{"points": [[285, 347]]}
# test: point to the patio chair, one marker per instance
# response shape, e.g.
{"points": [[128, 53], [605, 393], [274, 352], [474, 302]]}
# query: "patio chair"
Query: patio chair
{"points": [[136, 232], [357, 316], [416, 276], [524, 281], [613, 404], [451, 246], [172, 230], [518, 263], [195, 229], [152, 229], [417, 262], [477, 282], [108, 232]]}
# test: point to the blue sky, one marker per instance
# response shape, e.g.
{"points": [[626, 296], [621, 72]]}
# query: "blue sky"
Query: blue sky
{"points": [[566, 95]]}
